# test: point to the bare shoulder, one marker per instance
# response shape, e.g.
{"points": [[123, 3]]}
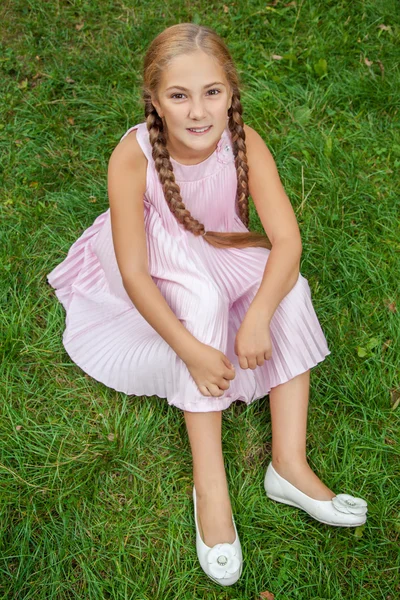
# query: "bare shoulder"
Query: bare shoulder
{"points": [[247, 129], [253, 139], [129, 151], [128, 162], [258, 154]]}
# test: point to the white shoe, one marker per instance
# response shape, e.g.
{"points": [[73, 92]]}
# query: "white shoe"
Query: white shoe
{"points": [[343, 510], [223, 563]]}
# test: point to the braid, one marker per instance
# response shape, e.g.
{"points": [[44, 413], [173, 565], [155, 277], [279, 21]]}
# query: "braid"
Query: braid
{"points": [[165, 170], [239, 151]]}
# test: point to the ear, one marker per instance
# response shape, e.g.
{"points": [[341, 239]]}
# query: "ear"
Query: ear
{"points": [[157, 107]]}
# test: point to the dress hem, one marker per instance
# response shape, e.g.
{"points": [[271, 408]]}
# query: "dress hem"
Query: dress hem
{"points": [[222, 404]]}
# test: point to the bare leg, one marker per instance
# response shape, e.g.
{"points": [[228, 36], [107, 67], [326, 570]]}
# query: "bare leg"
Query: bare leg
{"points": [[214, 512], [289, 406]]}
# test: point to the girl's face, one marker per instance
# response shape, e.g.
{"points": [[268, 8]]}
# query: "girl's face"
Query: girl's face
{"points": [[198, 105]]}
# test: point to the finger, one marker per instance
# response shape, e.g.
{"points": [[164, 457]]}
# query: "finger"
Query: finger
{"points": [[223, 384], [252, 363], [243, 362], [215, 390], [203, 390], [260, 360], [230, 374], [228, 363]]}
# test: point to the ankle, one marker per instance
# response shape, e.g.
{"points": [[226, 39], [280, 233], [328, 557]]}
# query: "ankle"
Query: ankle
{"points": [[206, 488], [293, 461], [212, 495]]}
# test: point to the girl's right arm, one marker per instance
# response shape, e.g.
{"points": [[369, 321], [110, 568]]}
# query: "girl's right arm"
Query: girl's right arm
{"points": [[126, 187]]}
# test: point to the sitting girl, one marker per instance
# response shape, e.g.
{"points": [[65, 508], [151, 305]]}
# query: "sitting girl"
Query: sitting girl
{"points": [[168, 293]]}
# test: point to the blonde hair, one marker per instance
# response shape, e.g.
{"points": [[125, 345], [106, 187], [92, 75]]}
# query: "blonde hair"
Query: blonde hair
{"points": [[185, 38]]}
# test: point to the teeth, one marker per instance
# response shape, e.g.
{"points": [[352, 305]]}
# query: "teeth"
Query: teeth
{"points": [[199, 130]]}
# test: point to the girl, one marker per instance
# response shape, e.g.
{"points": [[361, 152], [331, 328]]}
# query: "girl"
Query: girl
{"points": [[167, 293]]}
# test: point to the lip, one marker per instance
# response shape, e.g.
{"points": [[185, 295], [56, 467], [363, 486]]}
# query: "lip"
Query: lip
{"points": [[202, 133]]}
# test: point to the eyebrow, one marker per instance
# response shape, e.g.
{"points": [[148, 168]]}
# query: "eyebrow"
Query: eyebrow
{"points": [[179, 87]]}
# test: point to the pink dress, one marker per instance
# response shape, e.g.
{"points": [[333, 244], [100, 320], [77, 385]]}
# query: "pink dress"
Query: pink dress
{"points": [[209, 290]]}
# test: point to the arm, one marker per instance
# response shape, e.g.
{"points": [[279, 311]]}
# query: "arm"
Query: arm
{"points": [[280, 275], [152, 305], [126, 188], [280, 224]]}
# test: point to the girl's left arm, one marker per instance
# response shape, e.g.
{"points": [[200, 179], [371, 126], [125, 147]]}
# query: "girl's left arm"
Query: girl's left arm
{"points": [[280, 275], [280, 224], [253, 340]]}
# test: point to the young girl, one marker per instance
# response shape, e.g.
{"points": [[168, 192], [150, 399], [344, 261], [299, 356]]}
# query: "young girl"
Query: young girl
{"points": [[167, 293]]}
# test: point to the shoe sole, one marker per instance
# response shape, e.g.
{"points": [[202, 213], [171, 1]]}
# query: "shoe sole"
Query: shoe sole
{"points": [[284, 501]]}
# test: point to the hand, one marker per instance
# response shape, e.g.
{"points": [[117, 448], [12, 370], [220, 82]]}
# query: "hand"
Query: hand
{"points": [[210, 369], [253, 341]]}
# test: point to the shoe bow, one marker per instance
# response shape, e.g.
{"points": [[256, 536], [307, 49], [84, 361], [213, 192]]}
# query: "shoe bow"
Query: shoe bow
{"points": [[348, 504], [222, 561]]}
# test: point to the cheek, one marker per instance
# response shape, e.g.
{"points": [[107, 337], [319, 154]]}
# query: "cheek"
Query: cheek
{"points": [[176, 111], [223, 109]]}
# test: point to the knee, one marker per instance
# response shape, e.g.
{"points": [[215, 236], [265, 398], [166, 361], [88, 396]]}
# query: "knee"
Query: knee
{"points": [[206, 315], [209, 304]]}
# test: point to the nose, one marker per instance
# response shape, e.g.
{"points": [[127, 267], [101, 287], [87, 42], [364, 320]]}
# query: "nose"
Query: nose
{"points": [[197, 111]]}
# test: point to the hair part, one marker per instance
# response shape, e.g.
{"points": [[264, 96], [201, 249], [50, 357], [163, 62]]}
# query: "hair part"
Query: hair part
{"points": [[185, 38]]}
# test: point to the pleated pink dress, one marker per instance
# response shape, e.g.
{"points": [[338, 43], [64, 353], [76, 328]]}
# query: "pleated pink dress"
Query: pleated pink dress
{"points": [[209, 290]]}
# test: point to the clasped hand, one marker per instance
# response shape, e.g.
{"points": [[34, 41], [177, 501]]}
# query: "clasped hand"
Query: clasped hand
{"points": [[253, 341], [211, 369]]}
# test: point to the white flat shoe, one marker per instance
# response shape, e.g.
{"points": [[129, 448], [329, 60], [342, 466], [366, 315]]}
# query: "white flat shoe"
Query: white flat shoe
{"points": [[222, 563], [343, 510]]}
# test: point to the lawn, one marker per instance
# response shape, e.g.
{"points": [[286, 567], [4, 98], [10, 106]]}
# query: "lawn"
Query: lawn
{"points": [[95, 495]]}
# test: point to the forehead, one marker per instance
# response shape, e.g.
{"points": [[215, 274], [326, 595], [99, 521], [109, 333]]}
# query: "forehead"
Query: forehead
{"points": [[192, 71]]}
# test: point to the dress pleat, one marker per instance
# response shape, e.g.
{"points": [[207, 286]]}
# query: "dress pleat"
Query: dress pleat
{"points": [[208, 289]]}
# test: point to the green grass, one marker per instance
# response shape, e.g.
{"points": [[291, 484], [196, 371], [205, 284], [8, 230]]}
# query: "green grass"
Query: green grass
{"points": [[95, 495]]}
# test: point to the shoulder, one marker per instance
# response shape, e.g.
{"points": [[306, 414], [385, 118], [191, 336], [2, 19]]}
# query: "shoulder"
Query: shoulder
{"points": [[253, 139], [248, 130], [128, 155], [129, 149], [257, 151], [128, 159]]}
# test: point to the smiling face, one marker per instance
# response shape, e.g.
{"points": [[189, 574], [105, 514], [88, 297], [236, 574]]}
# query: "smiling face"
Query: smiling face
{"points": [[203, 103]]}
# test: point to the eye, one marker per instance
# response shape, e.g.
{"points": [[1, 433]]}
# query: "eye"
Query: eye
{"points": [[213, 90]]}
